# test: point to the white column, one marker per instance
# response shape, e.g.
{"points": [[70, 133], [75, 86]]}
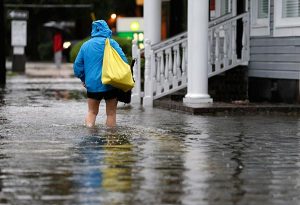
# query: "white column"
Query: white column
{"points": [[152, 20], [197, 88]]}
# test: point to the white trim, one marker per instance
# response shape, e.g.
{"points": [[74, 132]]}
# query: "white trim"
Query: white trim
{"points": [[285, 26], [259, 26], [233, 7]]}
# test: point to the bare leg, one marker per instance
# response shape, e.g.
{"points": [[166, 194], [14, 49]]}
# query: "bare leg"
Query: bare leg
{"points": [[111, 112], [93, 109]]}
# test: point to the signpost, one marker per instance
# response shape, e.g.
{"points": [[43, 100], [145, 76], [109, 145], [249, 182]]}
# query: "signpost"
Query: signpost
{"points": [[18, 38]]}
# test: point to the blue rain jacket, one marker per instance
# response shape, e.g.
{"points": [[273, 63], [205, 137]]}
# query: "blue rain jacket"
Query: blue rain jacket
{"points": [[88, 63]]}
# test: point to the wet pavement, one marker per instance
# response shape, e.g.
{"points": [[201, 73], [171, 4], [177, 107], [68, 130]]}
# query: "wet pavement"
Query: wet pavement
{"points": [[153, 157]]}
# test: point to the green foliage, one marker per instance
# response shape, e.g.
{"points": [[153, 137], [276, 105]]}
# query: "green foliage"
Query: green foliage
{"points": [[75, 49], [45, 51], [124, 43]]}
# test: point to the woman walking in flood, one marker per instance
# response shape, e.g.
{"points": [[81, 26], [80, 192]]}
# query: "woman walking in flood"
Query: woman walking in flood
{"points": [[88, 68]]}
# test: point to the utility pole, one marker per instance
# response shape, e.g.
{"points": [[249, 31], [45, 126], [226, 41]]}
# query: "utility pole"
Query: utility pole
{"points": [[2, 46]]}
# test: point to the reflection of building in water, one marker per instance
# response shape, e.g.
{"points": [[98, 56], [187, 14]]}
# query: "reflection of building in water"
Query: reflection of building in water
{"points": [[118, 158], [197, 165], [161, 169]]}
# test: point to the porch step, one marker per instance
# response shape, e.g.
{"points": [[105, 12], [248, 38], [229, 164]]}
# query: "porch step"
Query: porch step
{"points": [[235, 108], [229, 86], [178, 95]]}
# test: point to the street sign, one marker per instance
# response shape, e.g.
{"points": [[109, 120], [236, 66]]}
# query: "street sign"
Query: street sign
{"points": [[18, 38], [17, 14], [18, 33]]}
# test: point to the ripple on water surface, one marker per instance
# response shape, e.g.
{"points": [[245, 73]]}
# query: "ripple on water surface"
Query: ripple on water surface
{"points": [[153, 157]]}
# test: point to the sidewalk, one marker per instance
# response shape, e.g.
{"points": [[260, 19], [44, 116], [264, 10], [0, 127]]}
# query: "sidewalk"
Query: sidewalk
{"points": [[49, 70], [46, 69]]}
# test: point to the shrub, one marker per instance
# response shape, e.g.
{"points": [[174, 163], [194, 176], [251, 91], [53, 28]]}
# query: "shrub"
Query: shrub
{"points": [[124, 43], [75, 49], [45, 51]]}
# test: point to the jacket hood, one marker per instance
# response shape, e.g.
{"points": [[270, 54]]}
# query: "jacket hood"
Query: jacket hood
{"points": [[100, 28]]}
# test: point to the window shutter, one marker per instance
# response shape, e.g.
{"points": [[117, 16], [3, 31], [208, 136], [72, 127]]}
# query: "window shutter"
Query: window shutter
{"points": [[263, 8], [290, 8]]}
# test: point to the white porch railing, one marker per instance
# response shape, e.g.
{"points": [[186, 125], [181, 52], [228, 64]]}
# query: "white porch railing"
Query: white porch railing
{"points": [[165, 68], [222, 47]]}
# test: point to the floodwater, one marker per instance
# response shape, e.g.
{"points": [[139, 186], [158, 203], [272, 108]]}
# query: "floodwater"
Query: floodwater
{"points": [[153, 157]]}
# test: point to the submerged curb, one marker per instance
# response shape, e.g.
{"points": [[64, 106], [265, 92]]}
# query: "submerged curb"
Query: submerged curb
{"points": [[220, 108]]}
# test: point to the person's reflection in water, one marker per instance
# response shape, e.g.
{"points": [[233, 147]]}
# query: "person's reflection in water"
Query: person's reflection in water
{"points": [[92, 154], [118, 158], [106, 159]]}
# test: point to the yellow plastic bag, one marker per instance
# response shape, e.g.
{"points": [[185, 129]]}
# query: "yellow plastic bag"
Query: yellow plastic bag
{"points": [[115, 71]]}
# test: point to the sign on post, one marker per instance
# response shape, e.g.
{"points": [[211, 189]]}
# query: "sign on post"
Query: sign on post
{"points": [[17, 14], [18, 33], [18, 37]]}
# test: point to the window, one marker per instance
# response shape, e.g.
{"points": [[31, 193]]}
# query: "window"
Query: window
{"points": [[260, 17], [263, 9], [225, 7], [287, 18], [222, 8], [290, 8]]}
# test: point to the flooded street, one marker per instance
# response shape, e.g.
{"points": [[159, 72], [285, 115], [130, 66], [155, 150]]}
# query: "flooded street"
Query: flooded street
{"points": [[153, 157]]}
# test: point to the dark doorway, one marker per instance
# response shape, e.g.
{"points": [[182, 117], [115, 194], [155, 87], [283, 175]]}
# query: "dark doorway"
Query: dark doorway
{"points": [[241, 8], [178, 17], [174, 18]]}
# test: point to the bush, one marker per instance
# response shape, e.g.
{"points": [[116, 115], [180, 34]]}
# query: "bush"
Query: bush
{"points": [[45, 51], [75, 49], [124, 43]]}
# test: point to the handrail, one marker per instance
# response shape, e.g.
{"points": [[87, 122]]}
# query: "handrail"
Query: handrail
{"points": [[228, 20], [183, 35], [169, 45], [169, 41], [219, 20]]}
